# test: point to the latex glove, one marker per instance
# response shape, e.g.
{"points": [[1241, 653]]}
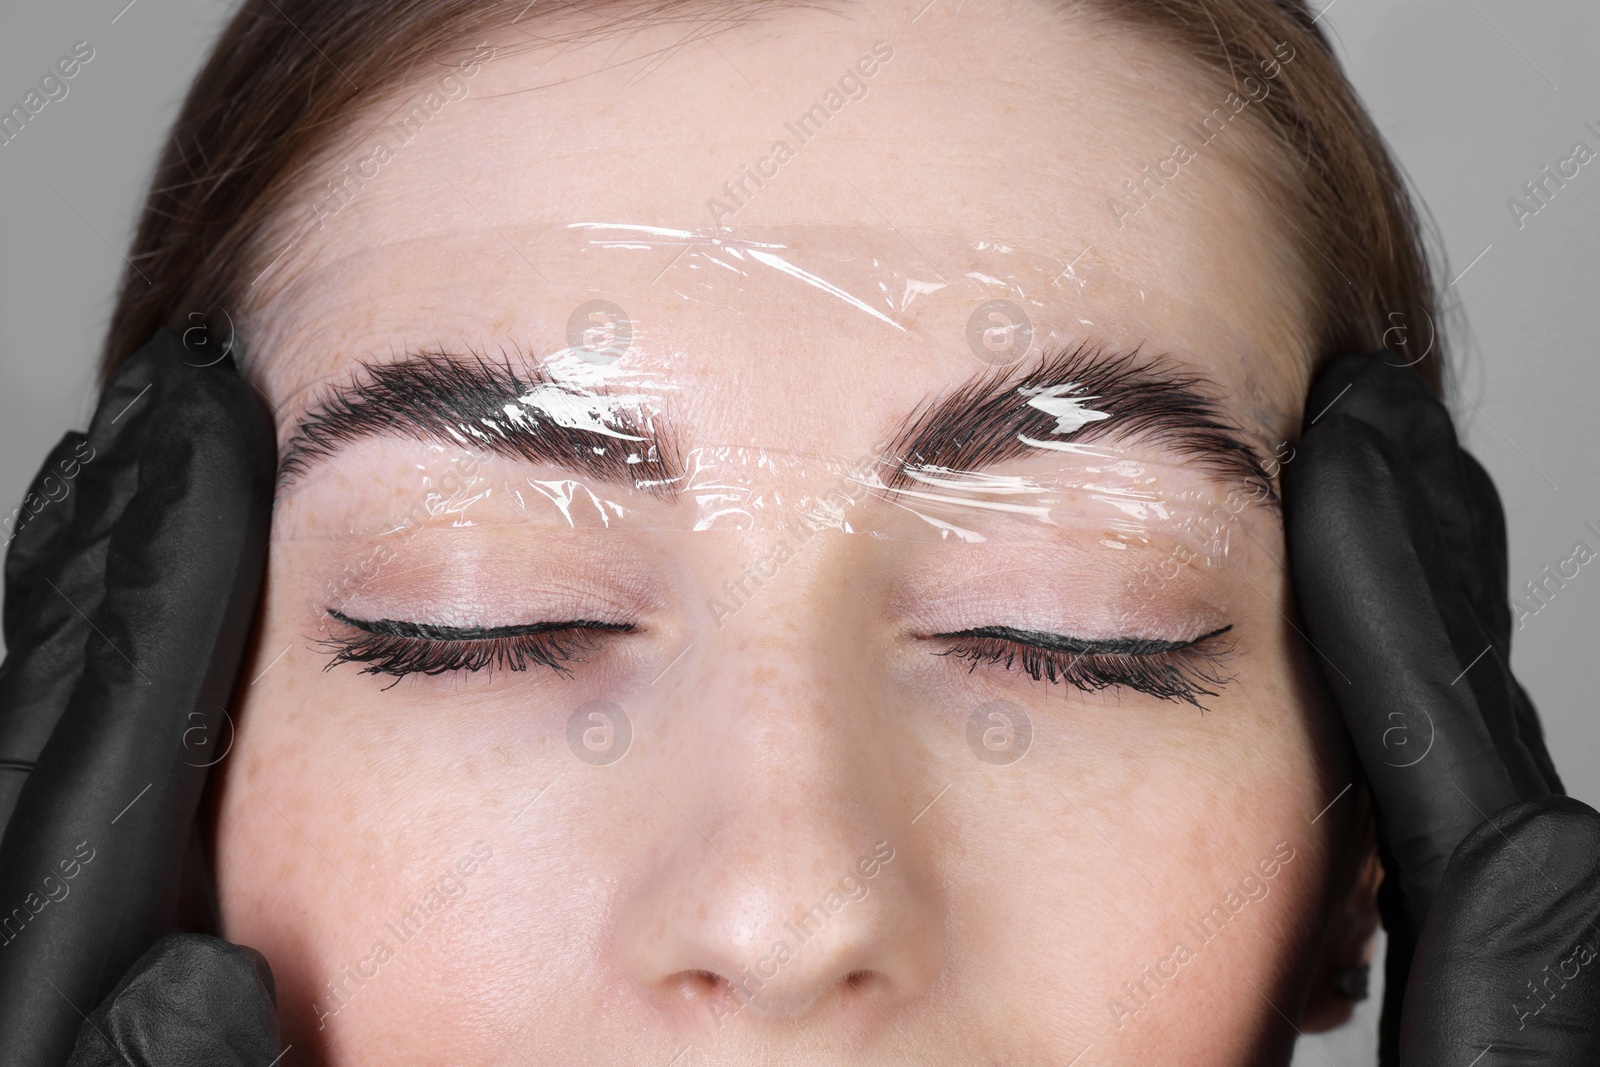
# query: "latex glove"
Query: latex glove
{"points": [[1397, 547], [192, 1001], [1508, 965], [129, 597]]}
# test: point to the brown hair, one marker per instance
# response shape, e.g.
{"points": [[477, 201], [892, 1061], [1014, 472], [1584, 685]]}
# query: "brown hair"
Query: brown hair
{"points": [[287, 76]]}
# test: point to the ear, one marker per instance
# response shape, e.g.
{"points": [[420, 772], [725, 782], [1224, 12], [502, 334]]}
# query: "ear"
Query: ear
{"points": [[1340, 980]]}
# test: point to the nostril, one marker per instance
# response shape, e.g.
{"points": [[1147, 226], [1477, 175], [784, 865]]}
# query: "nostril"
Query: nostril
{"points": [[697, 985], [726, 996], [871, 986]]}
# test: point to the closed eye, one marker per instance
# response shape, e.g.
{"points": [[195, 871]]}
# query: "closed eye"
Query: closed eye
{"points": [[1177, 671], [398, 647]]}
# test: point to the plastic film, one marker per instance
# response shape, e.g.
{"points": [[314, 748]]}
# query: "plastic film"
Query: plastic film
{"points": [[592, 423]]}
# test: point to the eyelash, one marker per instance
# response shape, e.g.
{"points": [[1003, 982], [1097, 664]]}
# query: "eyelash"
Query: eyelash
{"points": [[395, 648], [1180, 672]]}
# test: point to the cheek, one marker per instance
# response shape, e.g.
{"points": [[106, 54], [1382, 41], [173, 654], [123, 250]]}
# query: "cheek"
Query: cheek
{"points": [[1065, 882], [339, 810], [1109, 896]]}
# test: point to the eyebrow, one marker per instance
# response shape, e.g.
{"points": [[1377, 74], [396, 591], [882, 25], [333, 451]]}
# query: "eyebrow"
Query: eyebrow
{"points": [[1066, 398], [471, 401], [1076, 396]]}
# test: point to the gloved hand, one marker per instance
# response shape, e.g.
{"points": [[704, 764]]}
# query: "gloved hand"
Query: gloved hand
{"points": [[1397, 547], [191, 1001], [130, 593]]}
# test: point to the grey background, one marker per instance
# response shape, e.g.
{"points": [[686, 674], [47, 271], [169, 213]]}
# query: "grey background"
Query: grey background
{"points": [[1473, 95]]}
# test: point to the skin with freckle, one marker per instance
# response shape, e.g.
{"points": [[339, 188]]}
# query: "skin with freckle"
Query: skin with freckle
{"points": [[453, 868]]}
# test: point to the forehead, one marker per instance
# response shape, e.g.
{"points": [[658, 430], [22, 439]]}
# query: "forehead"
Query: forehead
{"points": [[899, 174]]}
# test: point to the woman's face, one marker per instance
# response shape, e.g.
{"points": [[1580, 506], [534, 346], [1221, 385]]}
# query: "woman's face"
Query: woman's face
{"points": [[833, 647]]}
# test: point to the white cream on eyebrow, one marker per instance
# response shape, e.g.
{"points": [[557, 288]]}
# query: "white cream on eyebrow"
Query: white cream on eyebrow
{"points": [[578, 411], [574, 398], [1068, 410]]}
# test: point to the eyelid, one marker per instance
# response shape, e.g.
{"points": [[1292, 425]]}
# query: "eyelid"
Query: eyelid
{"points": [[1082, 646], [425, 631]]}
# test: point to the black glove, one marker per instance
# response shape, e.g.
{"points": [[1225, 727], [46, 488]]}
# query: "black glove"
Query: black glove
{"points": [[1397, 546], [192, 1001], [130, 592], [1507, 961]]}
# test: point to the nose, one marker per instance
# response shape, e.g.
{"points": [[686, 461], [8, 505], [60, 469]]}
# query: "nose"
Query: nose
{"points": [[762, 946], [789, 887]]}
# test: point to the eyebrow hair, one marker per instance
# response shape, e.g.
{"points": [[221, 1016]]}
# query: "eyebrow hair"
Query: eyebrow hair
{"points": [[1117, 395], [463, 400], [469, 400]]}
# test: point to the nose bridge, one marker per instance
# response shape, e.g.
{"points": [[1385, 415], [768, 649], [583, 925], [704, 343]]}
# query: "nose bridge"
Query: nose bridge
{"points": [[789, 695], [785, 882], [787, 633]]}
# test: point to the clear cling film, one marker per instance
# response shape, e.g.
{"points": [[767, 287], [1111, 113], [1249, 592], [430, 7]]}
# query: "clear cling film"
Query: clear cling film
{"points": [[592, 425], [1051, 452]]}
